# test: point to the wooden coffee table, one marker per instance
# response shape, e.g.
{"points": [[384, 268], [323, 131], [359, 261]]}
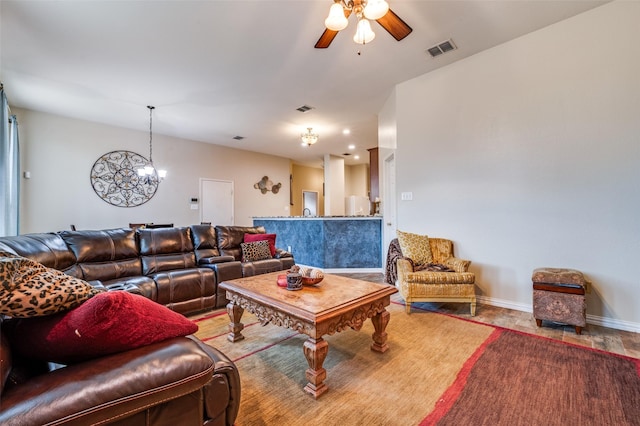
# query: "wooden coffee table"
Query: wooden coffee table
{"points": [[333, 305]]}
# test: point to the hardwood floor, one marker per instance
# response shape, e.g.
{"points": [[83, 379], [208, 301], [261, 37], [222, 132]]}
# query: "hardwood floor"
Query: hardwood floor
{"points": [[593, 336]]}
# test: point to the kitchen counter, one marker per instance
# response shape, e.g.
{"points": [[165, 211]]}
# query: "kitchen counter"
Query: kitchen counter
{"points": [[333, 243]]}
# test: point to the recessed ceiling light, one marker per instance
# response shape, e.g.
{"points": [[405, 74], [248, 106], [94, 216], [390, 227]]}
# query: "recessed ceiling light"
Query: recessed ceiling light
{"points": [[346, 131], [357, 157], [352, 146]]}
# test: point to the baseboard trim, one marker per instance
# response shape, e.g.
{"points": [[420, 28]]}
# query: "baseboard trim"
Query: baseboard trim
{"points": [[591, 319]]}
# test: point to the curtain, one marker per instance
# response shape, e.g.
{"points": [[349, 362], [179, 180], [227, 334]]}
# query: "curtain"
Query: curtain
{"points": [[9, 169]]}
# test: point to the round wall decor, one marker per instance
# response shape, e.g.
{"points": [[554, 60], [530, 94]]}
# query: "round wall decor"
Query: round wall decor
{"points": [[114, 177]]}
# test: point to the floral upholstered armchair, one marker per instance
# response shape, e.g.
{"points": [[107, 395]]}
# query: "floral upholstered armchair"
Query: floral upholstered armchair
{"points": [[427, 271]]}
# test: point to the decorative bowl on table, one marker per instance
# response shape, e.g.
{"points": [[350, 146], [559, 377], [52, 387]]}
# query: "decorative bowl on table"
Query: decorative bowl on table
{"points": [[311, 281]]}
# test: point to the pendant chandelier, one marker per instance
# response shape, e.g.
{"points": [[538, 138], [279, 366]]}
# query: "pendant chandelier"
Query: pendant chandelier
{"points": [[364, 10], [309, 138], [149, 171]]}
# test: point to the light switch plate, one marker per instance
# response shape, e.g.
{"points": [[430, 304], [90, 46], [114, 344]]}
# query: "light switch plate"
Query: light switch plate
{"points": [[406, 196]]}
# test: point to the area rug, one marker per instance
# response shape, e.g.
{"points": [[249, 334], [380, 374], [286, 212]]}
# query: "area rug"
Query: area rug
{"points": [[439, 370]]}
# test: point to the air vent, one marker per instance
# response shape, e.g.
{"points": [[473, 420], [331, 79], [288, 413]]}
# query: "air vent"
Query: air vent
{"points": [[238, 138], [441, 48], [346, 154], [304, 108]]}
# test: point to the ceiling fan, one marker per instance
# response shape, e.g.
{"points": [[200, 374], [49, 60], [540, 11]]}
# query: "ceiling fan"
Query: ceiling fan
{"points": [[365, 10]]}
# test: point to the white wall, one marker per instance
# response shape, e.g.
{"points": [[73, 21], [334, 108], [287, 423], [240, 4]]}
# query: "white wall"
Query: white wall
{"points": [[333, 185], [528, 155], [60, 152]]}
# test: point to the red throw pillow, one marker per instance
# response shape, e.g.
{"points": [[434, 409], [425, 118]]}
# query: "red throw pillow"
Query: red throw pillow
{"points": [[250, 238], [109, 322]]}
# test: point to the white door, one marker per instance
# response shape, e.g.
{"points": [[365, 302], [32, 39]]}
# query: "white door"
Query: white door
{"points": [[389, 204], [216, 198]]}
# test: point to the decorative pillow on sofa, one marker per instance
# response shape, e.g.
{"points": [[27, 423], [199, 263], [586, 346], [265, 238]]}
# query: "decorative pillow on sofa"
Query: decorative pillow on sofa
{"points": [[257, 250], [110, 322], [249, 238], [30, 289], [415, 247]]}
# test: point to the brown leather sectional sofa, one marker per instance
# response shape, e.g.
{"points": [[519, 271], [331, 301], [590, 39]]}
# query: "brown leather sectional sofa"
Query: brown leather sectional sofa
{"points": [[176, 381], [176, 267]]}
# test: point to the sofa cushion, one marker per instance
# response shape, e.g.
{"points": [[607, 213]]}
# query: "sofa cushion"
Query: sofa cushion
{"points": [[48, 249], [257, 250], [105, 254], [31, 289], [166, 249], [415, 247], [205, 243], [249, 238], [110, 322], [230, 237]]}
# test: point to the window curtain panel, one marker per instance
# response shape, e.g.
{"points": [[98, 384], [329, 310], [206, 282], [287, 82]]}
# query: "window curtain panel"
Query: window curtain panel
{"points": [[9, 169]]}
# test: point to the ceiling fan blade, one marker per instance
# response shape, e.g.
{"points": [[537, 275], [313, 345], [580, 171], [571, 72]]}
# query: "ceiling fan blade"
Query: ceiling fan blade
{"points": [[325, 39], [395, 25]]}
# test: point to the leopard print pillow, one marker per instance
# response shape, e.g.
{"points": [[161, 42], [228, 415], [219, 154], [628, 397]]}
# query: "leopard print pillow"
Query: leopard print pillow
{"points": [[257, 250], [30, 289]]}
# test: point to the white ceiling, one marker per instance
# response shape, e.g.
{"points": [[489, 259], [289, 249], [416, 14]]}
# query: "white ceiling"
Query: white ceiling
{"points": [[216, 69]]}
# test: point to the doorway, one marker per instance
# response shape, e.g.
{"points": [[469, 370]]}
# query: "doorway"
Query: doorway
{"points": [[217, 201], [309, 203], [389, 205]]}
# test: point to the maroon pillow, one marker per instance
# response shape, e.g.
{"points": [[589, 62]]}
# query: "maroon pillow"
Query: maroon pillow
{"points": [[109, 322], [250, 238]]}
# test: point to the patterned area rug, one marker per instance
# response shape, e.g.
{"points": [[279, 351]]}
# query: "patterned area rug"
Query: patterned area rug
{"points": [[439, 370]]}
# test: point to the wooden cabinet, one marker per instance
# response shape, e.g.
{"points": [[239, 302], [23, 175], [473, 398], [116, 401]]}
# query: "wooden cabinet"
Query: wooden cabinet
{"points": [[374, 176]]}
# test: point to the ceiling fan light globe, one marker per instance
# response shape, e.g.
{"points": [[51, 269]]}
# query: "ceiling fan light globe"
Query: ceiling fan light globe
{"points": [[336, 21], [364, 33], [376, 9]]}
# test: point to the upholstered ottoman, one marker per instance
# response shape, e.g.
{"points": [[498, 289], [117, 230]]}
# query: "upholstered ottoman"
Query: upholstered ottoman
{"points": [[558, 295]]}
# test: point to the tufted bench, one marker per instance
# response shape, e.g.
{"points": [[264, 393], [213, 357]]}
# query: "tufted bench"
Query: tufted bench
{"points": [[559, 296]]}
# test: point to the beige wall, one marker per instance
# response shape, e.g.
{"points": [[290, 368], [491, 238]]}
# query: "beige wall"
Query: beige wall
{"points": [[306, 179], [356, 180], [60, 152], [528, 155]]}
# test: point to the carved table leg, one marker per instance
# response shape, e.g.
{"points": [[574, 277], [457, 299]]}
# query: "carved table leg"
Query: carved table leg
{"points": [[315, 351], [235, 326], [380, 322]]}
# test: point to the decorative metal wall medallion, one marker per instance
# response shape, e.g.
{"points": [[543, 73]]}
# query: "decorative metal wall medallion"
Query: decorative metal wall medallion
{"points": [[265, 185], [114, 177]]}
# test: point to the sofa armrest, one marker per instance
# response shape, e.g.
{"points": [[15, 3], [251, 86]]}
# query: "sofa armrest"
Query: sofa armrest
{"points": [[112, 387], [280, 254], [213, 260], [226, 379], [458, 265]]}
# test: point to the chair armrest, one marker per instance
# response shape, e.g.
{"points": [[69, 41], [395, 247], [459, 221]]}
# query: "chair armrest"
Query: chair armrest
{"points": [[458, 265]]}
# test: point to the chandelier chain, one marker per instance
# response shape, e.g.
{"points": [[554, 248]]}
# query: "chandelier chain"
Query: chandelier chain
{"points": [[151, 108]]}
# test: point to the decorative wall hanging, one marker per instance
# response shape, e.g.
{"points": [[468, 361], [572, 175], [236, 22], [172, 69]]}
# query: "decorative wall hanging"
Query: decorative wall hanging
{"points": [[266, 185], [114, 177]]}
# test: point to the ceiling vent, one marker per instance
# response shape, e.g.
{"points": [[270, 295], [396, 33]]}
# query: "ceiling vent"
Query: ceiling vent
{"points": [[238, 138], [346, 154], [304, 108], [441, 48]]}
